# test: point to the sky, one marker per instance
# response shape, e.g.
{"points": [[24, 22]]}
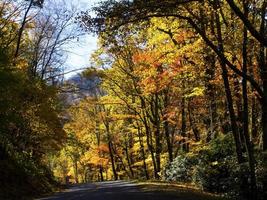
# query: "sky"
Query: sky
{"points": [[79, 52]]}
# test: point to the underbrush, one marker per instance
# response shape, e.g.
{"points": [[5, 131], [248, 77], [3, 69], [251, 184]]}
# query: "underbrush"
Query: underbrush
{"points": [[212, 167], [24, 179]]}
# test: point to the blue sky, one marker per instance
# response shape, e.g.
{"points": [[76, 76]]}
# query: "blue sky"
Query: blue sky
{"points": [[80, 51]]}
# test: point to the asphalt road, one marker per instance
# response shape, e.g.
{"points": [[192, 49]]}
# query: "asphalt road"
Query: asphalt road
{"points": [[117, 190]]}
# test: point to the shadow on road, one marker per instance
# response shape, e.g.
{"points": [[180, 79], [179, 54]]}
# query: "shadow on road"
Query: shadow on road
{"points": [[119, 190]]}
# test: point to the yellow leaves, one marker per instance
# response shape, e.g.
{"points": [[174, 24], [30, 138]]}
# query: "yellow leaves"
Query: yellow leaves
{"points": [[138, 164], [154, 34], [190, 48], [110, 100], [22, 64], [162, 63], [136, 147], [214, 163], [116, 117], [197, 91], [96, 156]]}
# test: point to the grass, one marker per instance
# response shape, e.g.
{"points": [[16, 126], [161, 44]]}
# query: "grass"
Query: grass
{"points": [[181, 191]]}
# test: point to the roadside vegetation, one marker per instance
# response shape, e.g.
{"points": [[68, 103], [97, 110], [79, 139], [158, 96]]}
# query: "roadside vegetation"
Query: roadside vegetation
{"points": [[180, 191], [32, 36]]}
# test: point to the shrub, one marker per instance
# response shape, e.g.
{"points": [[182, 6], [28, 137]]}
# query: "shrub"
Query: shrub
{"points": [[213, 166], [217, 176], [181, 169], [217, 169]]}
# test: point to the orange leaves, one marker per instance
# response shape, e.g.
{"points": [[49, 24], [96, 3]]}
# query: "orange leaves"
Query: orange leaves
{"points": [[184, 36], [143, 58], [97, 156], [155, 69], [171, 113], [103, 148]]}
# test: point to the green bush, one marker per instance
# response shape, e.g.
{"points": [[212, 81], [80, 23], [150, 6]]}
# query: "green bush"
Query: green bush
{"points": [[217, 176], [213, 166], [217, 169]]}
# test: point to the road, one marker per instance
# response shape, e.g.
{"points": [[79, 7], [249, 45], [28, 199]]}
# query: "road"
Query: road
{"points": [[119, 190], [99, 191]]}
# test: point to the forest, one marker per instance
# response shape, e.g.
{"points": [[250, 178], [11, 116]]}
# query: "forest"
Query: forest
{"points": [[176, 92]]}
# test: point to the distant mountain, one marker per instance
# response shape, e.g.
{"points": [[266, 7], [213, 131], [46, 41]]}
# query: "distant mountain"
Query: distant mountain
{"points": [[78, 87], [88, 86]]}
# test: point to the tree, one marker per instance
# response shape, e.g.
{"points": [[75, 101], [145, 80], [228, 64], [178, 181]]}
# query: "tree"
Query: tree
{"points": [[210, 20]]}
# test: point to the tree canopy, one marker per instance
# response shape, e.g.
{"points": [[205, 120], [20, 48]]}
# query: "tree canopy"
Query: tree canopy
{"points": [[176, 91]]}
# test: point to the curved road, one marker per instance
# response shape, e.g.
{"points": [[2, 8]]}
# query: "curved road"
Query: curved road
{"points": [[99, 191], [119, 190]]}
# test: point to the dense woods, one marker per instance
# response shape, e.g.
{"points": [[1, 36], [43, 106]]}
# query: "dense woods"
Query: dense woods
{"points": [[176, 91], [30, 122]]}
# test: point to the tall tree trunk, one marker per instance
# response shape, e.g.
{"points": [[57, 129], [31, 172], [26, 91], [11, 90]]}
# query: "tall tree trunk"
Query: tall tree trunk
{"points": [[150, 147], [143, 153], [210, 67], [119, 158], [168, 140], [112, 160], [149, 139], [157, 136], [248, 143], [192, 123], [210, 91], [75, 166], [238, 107], [101, 173], [232, 114], [24, 20], [128, 159], [110, 148], [234, 127], [183, 127], [228, 92], [263, 68], [254, 116], [97, 133], [166, 128]]}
